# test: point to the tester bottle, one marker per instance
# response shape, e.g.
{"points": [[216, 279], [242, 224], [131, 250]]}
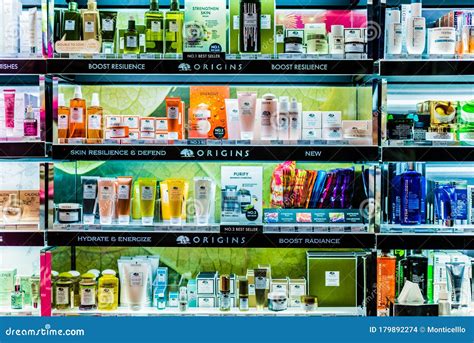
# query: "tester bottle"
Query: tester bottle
{"points": [[174, 20], [77, 115], [131, 38], [154, 28], [224, 293]]}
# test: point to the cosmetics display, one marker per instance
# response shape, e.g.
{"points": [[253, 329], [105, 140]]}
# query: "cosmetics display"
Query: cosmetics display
{"points": [[424, 282], [414, 32], [211, 113]]}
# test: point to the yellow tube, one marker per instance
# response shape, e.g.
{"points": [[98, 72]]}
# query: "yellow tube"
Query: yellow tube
{"points": [[176, 199], [147, 200], [136, 214]]}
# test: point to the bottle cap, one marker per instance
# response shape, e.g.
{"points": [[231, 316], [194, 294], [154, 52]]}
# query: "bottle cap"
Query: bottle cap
{"points": [[284, 104], [61, 101], [147, 220], [95, 272], [88, 276], [109, 272], [174, 5], [91, 5], [294, 105], [131, 23], [77, 92], [74, 273], [224, 285], [67, 274], [268, 96], [72, 6], [95, 100]]}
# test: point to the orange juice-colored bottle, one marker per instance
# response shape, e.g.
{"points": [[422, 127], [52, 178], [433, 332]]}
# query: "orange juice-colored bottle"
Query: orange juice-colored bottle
{"points": [[77, 115], [94, 118], [386, 269], [63, 117]]}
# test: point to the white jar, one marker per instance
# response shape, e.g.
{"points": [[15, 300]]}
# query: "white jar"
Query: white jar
{"points": [[442, 41]]}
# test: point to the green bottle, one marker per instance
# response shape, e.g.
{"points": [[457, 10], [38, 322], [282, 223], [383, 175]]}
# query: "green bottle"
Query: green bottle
{"points": [[174, 29], [154, 28], [71, 27], [131, 42]]}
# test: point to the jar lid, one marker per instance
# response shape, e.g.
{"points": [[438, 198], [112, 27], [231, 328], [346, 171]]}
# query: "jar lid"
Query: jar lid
{"points": [[74, 273], [295, 40], [65, 275], [69, 206], [88, 276], [277, 296], [308, 299], [109, 272]]}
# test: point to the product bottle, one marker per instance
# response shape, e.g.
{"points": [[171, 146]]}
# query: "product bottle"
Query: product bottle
{"points": [[71, 28], [17, 296], [174, 20], [88, 292], [415, 269], [76, 279], [30, 124], [243, 294], [183, 299], [154, 28], [416, 30], [249, 34], [294, 115], [386, 265], [224, 293], [77, 120], [444, 307], [94, 118], [63, 117], [91, 22], [108, 290], [131, 38], [394, 34], [336, 40], [283, 118], [411, 196], [63, 293], [269, 117]]}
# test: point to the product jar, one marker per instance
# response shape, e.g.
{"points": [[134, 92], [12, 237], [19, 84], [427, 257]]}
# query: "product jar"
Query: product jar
{"points": [[294, 45], [442, 41], [69, 213], [309, 303], [277, 301], [317, 44]]}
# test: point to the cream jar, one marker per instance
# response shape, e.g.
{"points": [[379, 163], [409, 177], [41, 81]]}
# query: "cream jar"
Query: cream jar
{"points": [[277, 301]]}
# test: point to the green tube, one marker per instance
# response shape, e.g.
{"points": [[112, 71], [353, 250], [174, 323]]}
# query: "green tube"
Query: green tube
{"points": [[147, 200], [136, 214]]}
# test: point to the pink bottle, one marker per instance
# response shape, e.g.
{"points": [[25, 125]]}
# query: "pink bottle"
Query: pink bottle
{"points": [[30, 124]]}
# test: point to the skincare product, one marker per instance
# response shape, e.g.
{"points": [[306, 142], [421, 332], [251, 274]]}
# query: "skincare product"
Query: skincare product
{"points": [[336, 40], [69, 213], [247, 107], [17, 296], [174, 114], [269, 117], [309, 303], [250, 26], [386, 265], [147, 200], [243, 294], [315, 38], [233, 119], [415, 269], [131, 38], [63, 117], [411, 185], [64, 292], [108, 291], [455, 272], [416, 33], [30, 124], [9, 105], [294, 115], [91, 22], [283, 127], [174, 19], [71, 27], [88, 292], [183, 299], [176, 199], [277, 301], [154, 22], [77, 115], [294, 45], [94, 118], [89, 198], [106, 200], [204, 195], [124, 194], [224, 293], [442, 41], [444, 305], [135, 283], [260, 287], [108, 23]]}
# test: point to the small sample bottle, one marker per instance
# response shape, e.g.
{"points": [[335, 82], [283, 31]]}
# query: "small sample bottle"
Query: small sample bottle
{"points": [[243, 294], [224, 293], [64, 292], [183, 299], [131, 39], [63, 117], [88, 292], [154, 21], [174, 20], [71, 27], [30, 124], [91, 22], [77, 120], [17, 296], [94, 118], [108, 289]]}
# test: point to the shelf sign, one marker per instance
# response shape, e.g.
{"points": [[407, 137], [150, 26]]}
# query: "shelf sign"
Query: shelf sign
{"points": [[90, 46], [9, 66], [241, 229]]}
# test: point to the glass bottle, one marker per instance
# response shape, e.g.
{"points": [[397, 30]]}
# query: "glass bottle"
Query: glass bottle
{"points": [[71, 27], [224, 293], [77, 120], [386, 269], [174, 19], [131, 41], [94, 118], [63, 117], [415, 269], [76, 297], [30, 124], [183, 299], [411, 197], [243, 294], [91, 22], [17, 296], [107, 294], [154, 28], [13, 209], [64, 292], [88, 292]]}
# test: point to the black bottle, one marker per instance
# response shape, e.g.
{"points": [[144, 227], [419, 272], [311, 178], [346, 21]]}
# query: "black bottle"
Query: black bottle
{"points": [[250, 35]]}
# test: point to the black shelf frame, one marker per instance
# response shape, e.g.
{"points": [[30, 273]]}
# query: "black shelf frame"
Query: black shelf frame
{"points": [[425, 241], [428, 154], [18, 238]]}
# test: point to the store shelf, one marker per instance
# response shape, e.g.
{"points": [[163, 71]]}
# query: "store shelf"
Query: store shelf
{"points": [[216, 152], [428, 154], [215, 312], [103, 66], [21, 238], [410, 69], [22, 66], [27, 311], [192, 239], [15, 149], [425, 241]]}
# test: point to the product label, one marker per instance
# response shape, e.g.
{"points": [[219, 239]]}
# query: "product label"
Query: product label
{"points": [[332, 279], [77, 115], [260, 282], [297, 290], [146, 193], [117, 132], [251, 289], [63, 122], [70, 217], [147, 125], [205, 286], [131, 122], [87, 296], [131, 42], [106, 193], [250, 20], [106, 295], [89, 26], [173, 112], [62, 295], [244, 304], [265, 21], [278, 305], [123, 192], [236, 22], [142, 38], [107, 25], [69, 25], [173, 26], [90, 191], [136, 279], [94, 122], [156, 26]]}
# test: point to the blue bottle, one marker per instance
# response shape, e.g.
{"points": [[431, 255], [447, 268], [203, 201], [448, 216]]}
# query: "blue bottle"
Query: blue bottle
{"points": [[445, 203], [411, 186]]}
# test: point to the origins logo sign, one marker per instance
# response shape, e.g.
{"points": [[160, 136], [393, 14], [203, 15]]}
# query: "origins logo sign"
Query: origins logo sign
{"points": [[211, 240]]}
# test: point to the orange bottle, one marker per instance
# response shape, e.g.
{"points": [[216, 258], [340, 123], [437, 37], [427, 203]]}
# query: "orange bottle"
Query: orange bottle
{"points": [[94, 118], [77, 115], [174, 114], [386, 269], [63, 117]]}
